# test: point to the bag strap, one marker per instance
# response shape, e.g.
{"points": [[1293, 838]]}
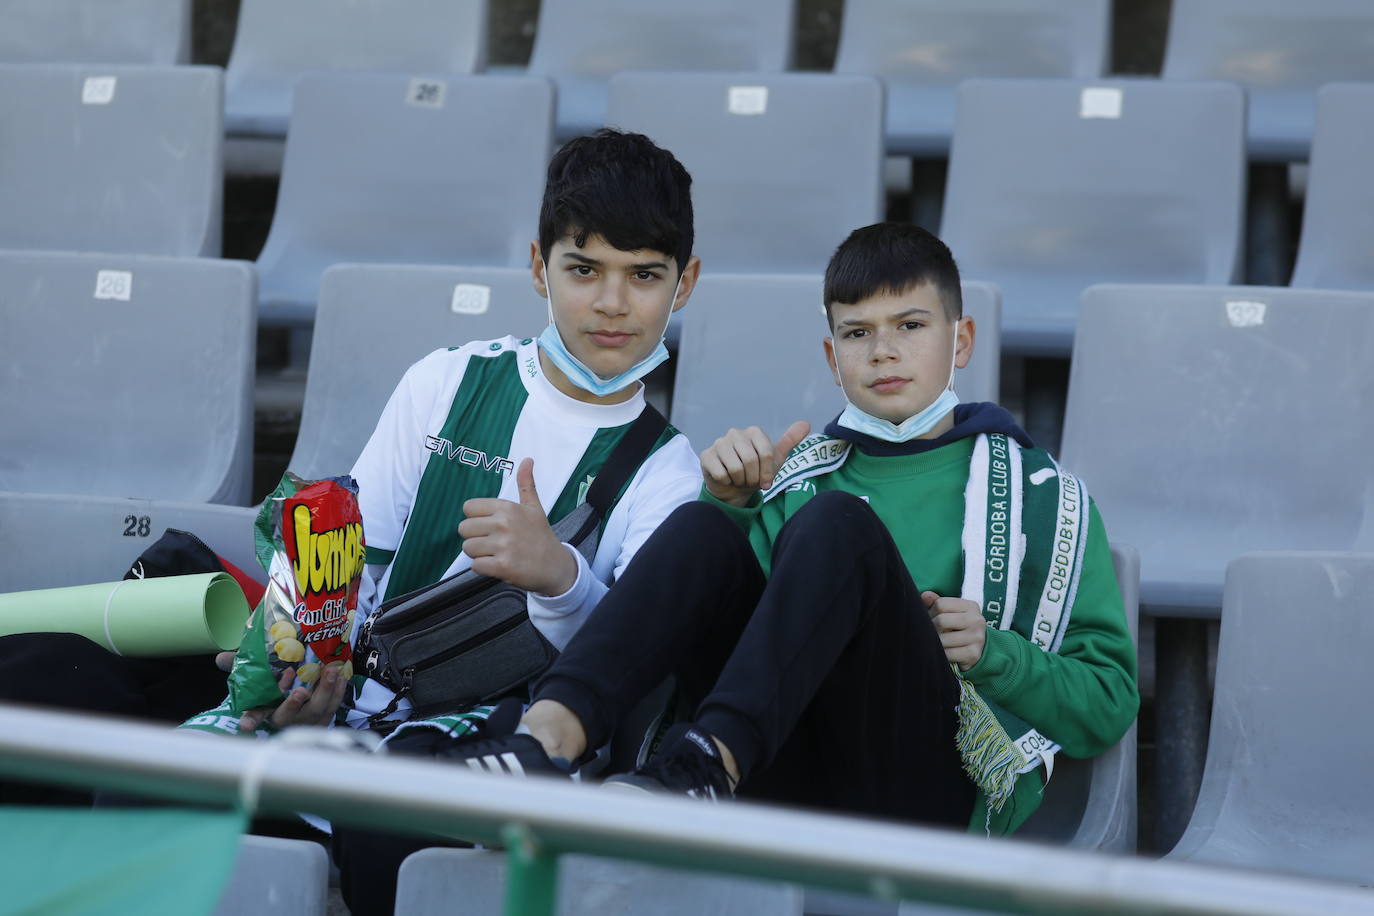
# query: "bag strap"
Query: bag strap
{"points": [[628, 454], [581, 526]]}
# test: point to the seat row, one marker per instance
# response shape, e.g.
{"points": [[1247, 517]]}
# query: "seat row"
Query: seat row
{"points": [[1054, 184], [1298, 813], [1208, 421], [920, 48]]}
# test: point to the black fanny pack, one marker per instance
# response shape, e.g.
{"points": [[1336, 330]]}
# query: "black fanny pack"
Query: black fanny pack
{"points": [[468, 639]]}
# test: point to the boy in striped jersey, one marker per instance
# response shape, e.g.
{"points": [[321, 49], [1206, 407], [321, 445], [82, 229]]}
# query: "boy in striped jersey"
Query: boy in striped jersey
{"points": [[482, 446], [822, 674]]}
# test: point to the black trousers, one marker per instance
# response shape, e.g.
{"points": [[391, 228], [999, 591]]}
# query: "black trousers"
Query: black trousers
{"points": [[369, 860], [70, 672], [826, 679]]}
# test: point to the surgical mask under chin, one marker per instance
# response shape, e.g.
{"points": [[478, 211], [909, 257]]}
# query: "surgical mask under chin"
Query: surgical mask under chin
{"points": [[577, 372], [918, 424]]}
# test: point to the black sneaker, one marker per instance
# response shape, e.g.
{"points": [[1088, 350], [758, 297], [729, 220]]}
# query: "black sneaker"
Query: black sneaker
{"points": [[495, 748], [686, 763]]}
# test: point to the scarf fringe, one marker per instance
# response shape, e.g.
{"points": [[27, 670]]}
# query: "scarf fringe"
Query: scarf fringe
{"points": [[991, 759]]}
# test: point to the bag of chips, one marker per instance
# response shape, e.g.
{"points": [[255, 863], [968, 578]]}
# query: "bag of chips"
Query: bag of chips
{"points": [[310, 541]]}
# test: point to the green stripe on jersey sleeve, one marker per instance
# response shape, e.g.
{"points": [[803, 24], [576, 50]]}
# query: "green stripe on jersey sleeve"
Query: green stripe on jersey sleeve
{"points": [[468, 460]]}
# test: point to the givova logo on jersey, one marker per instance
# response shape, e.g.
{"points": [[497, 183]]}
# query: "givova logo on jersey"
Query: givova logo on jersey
{"points": [[470, 456]]}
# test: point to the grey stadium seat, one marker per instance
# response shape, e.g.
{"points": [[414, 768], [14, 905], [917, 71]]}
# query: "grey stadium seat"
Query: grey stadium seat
{"points": [[727, 378], [1287, 784], [581, 43], [386, 317], [277, 877], [126, 376], [1212, 421], [1336, 250], [1280, 52], [432, 879], [1091, 804], [52, 541], [111, 158], [1055, 185], [775, 186], [156, 32], [922, 50], [279, 40], [392, 168]]}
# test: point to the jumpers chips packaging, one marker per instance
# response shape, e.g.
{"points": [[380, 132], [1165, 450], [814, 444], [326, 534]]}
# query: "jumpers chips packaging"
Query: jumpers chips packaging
{"points": [[310, 540]]}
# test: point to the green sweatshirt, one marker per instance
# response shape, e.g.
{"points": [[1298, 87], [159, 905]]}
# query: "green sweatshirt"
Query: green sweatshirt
{"points": [[1084, 697]]}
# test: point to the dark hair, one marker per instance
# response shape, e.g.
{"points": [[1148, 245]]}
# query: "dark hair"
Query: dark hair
{"points": [[892, 258], [623, 188]]}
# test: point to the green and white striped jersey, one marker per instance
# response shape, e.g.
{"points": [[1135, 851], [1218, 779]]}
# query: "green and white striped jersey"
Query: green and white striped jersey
{"points": [[455, 428]]}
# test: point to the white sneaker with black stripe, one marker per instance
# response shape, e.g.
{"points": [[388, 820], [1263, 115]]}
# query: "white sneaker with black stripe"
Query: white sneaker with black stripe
{"points": [[687, 763]]}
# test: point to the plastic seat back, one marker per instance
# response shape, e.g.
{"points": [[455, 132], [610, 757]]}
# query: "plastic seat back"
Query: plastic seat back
{"points": [[277, 877], [390, 168], [1286, 786], [127, 376], [1280, 52], [581, 43], [922, 50], [53, 540], [1091, 804], [384, 318], [431, 879], [1213, 421], [111, 158], [775, 186], [1337, 246], [279, 40], [751, 356], [156, 32], [1055, 185]]}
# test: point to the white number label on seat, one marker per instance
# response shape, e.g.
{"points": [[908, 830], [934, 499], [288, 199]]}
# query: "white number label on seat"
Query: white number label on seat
{"points": [[98, 90], [748, 100], [1100, 102], [427, 93], [114, 284], [1245, 314], [470, 299]]}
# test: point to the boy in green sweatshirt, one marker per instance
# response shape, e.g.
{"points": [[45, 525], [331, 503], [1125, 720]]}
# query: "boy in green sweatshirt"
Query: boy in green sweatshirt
{"points": [[906, 617]]}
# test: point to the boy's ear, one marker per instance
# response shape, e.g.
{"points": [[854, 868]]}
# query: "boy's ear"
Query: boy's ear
{"points": [[690, 274], [967, 334], [828, 344], [537, 270]]}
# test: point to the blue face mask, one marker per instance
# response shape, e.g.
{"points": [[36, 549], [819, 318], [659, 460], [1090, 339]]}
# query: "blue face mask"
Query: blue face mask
{"points": [[918, 424], [577, 372]]}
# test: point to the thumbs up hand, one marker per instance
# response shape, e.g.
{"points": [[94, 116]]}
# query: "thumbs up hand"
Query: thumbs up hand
{"points": [[512, 541], [743, 461]]}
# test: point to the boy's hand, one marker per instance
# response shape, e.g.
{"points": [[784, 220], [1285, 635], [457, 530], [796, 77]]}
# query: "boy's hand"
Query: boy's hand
{"points": [[743, 461], [303, 706], [513, 541], [963, 631]]}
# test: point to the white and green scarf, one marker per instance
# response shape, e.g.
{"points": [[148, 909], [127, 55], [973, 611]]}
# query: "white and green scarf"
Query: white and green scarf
{"points": [[1022, 583]]}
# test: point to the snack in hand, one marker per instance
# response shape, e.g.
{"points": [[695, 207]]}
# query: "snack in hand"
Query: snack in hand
{"points": [[310, 541]]}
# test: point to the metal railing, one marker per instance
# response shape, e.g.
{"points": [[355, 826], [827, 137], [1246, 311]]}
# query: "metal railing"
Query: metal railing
{"points": [[537, 820]]}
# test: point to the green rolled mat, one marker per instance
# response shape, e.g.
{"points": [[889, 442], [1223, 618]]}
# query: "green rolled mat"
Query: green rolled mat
{"points": [[170, 615]]}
